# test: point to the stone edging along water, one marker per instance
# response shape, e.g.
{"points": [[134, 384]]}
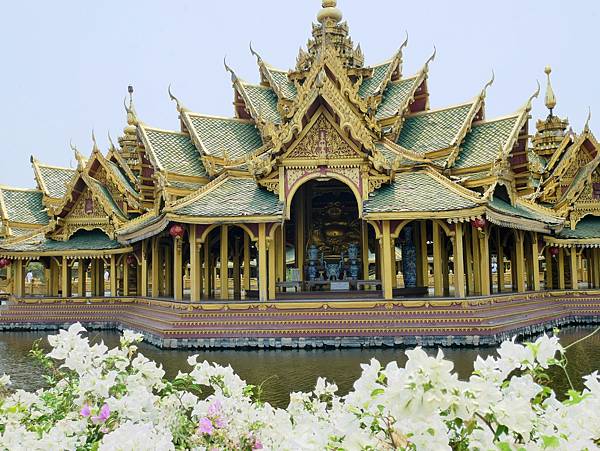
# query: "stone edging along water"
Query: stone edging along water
{"points": [[324, 342]]}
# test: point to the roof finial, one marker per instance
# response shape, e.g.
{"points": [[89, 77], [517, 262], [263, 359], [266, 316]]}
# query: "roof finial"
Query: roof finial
{"points": [[254, 53], [80, 159], [112, 144], [487, 85], [527, 106], [95, 147], [550, 99], [329, 13], [132, 119], [586, 127], [230, 70], [180, 107]]}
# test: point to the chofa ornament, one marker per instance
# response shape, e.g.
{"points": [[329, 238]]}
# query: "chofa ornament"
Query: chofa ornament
{"points": [[177, 231]]}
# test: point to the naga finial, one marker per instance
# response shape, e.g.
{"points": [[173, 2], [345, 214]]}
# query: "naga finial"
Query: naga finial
{"points": [[535, 95], [586, 127], [550, 99], [112, 144], [180, 107], [254, 53], [78, 156], [430, 59], [230, 70], [95, 144], [488, 84]]}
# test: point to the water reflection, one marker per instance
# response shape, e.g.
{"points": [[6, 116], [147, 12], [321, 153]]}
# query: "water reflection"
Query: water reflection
{"points": [[297, 370]]}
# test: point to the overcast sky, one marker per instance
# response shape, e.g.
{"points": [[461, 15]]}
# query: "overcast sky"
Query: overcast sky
{"points": [[66, 64]]}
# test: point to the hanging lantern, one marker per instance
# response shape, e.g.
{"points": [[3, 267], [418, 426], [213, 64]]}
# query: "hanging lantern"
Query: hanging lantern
{"points": [[554, 251], [131, 260], [177, 231], [478, 223], [4, 262]]}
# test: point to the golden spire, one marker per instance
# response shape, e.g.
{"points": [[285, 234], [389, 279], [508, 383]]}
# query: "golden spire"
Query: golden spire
{"points": [[550, 99], [329, 12]]}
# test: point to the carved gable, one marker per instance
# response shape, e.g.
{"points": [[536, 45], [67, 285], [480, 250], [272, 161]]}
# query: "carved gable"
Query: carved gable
{"points": [[322, 142]]}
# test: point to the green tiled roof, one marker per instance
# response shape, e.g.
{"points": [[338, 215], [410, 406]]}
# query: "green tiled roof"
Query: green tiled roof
{"points": [[285, 86], [55, 180], [588, 227], [192, 186], [23, 206], [107, 196], [483, 143], [368, 87], [233, 197], [122, 177], [394, 97], [175, 152], [218, 135], [520, 210], [83, 240], [434, 130], [264, 101], [415, 192]]}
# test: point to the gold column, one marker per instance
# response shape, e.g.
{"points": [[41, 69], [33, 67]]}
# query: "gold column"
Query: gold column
{"points": [[438, 273], [499, 261], [19, 278], [143, 290], [300, 230], [394, 265], [596, 257], [237, 285], [65, 278], [459, 263], [561, 268], [476, 260], [195, 266], [535, 262], [156, 267], [125, 276], [520, 260], [168, 274], [207, 276], [364, 248], [272, 262], [280, 257], [81, 278], [549, 272], [93, 277], [445, 267], [178, 268], [484, 261], [247, 269], [469, 258], [574, 269], [386, 247], [113, 276], [262, 262], [423, 252], [224, 272]]}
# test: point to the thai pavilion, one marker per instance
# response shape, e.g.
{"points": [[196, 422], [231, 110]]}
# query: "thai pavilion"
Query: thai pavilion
{"points": [[332, 178]]}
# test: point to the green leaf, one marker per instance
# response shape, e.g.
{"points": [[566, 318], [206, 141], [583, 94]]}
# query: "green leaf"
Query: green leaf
{"points": [[377, 392], [550, 441]]}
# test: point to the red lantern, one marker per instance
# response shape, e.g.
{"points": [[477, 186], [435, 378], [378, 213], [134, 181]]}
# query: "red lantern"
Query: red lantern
{"points": [[4, 262], [131, 260], [478, 223], [554, 251], [177, 231]]}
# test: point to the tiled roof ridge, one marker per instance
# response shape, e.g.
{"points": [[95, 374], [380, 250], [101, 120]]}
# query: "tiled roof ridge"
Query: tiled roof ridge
{"points": [[225, 118], [404, 152], [456, 187], [441, 109], [200, 192]]}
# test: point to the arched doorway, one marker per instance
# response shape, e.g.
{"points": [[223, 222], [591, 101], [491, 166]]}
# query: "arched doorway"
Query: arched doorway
{"points": [[327, 244]]}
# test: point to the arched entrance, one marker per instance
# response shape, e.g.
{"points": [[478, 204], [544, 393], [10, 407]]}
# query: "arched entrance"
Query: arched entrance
{"points": [[326, 243]]}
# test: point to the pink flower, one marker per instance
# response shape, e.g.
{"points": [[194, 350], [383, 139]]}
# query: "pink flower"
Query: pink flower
{"points": [[220, 422], [85, 411], [215, 408], [103, 415], [257, 444], [205, 426]]}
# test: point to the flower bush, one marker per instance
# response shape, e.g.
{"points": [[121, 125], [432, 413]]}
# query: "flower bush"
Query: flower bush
{"points": [[116, 399]]}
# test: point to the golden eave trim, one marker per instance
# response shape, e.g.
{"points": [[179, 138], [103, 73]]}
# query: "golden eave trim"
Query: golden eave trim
{"points": [[95, 254], [460, 215]]}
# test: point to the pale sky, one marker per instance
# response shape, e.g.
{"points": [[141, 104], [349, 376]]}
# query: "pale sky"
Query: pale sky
{"points": [[66, 64]]}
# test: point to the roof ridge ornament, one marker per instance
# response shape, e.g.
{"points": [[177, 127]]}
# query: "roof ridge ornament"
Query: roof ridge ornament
{"points": [[550, 99], [586, 127], [234, 77], [78, 156], [95, 147], [180, 107], [430, 59], [254, 53], [527, 106], [329, 14]]}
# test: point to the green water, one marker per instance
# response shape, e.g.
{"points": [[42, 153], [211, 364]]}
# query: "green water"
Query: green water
{"points": [[292, 370]]}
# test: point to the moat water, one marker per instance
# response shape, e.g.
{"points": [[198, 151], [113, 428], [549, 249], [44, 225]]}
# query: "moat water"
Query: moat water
{"points": [[282, 372]]}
